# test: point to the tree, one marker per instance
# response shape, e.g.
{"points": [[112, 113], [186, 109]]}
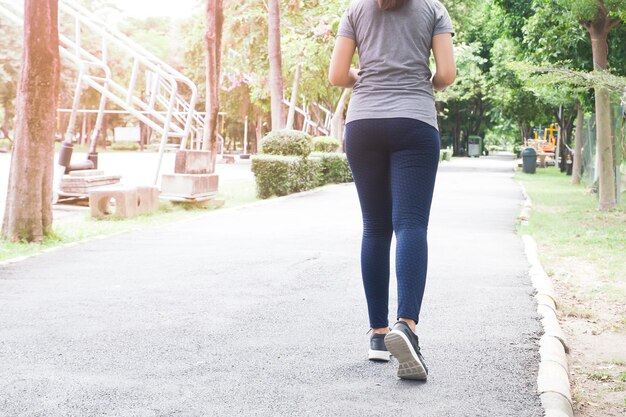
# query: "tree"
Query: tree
{"points": [[28, 214], [213, 37], [276, 67], [577, 169], [599, 17], [10, 47]]}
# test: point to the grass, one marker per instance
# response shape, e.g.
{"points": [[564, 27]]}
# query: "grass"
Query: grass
{"points": [[566, 223], [600, 376], [81, 227]]}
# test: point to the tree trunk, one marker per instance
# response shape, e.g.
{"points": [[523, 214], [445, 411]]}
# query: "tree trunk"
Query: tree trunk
{"points": [[336, 123], [213, 37], [7, 118], [456, 146], [28, 214], [83, 129], [294, 98], [245, 109], [577, 169], [276, 67], [598, 30], [259, 131]]}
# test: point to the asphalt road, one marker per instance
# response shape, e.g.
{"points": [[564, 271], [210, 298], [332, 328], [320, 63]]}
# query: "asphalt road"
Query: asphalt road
{"points": [[259, 311]]}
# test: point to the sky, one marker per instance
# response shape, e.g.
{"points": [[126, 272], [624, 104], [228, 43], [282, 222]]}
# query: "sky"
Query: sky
{"points": [[145, 8]]}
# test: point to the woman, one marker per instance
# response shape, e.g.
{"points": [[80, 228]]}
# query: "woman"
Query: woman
{"points": [[392, 143]]}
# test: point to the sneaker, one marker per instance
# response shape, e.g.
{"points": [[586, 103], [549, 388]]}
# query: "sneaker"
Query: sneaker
{"points": [[378, 351], [404, 345]]}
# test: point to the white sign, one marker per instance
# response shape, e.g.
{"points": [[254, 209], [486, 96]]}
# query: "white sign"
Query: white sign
{"points": [[127, 134]]}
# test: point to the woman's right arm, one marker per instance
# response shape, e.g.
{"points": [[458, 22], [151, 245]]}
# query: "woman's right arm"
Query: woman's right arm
{"points": [[340, 74], [443, 49]]}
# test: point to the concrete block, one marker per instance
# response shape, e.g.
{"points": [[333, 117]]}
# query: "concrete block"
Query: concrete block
{"points": [[553, 378], [546, 300], [551, 327], [545, 311], [556, 405], [189, 185], [119, 201], [83, 184], [86, 173], [147, 199], [551, 349], [193, 162], [227, 159]]}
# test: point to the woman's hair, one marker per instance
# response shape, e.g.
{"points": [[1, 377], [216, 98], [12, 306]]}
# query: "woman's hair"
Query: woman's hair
{"points": [[391, 4]]}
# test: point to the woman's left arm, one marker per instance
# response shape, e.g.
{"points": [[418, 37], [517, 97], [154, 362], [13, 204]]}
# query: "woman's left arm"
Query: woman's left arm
{"points": [[340, 74]]}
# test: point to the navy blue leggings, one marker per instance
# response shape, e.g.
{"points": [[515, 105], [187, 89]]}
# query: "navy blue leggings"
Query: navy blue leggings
{"points": [[394, 163]]}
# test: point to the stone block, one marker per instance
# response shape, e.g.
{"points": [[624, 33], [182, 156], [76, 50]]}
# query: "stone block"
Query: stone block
{"points": [[546, 300], [227, 159], [113, 201], [193, 162], [553, 378], [556, 405], [189, 185], [78, 184], [147, 199], [86, 173], [551, 349], [551, 327]]}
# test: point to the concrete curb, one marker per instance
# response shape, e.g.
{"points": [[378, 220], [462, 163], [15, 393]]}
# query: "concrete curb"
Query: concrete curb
{"points": [[524, 215], [553, 382]]}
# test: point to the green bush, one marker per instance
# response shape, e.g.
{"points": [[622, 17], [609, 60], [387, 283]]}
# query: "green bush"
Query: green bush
{"points": [[283, 175], [325, 144], [446, 155], [125, 146], [286, 143], [6, 144], [334, 168]]}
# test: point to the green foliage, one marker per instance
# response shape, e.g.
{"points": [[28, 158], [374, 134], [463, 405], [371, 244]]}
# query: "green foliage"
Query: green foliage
{"points": [[445, 155], [153, 33], [125, 146], [517, 11], [334, 168], [553, 34], [278, 175], [325, 144], [5, 144], [282, 175], [287, 143], [587, 10], [10, 52]]}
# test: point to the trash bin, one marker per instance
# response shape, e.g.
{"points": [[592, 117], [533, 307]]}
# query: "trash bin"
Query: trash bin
{"points": [[474, 146], [570, 162], [529, 160]]}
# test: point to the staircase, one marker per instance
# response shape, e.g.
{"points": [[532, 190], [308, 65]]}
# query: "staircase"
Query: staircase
{"points": [[148, 89]]}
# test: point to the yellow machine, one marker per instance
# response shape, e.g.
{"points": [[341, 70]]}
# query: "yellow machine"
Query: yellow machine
{"points": [[547, 144]]}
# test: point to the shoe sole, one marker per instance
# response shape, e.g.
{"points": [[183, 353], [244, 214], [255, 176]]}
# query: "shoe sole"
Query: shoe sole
{"points": [[378, 355], [409, 364]]}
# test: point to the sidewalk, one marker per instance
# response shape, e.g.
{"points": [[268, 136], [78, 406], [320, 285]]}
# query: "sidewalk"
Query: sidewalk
{"points": [[259, 311]]}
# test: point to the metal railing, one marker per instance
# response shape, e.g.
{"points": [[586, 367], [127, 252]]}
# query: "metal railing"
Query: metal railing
{"points": [[149, 89], [309, 125]]}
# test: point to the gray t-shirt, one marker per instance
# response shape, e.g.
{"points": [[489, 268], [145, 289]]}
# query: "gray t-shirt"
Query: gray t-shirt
{"points": [[394, 55]]}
